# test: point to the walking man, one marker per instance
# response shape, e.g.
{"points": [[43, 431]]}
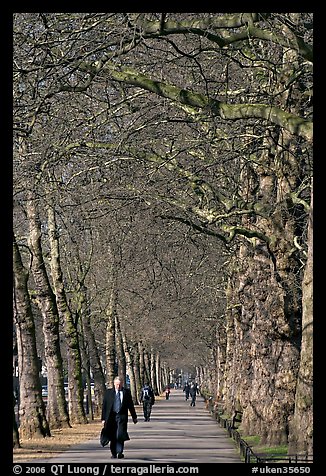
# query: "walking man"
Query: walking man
{"points": [[193, 393], [147, 399], [116, 403]]}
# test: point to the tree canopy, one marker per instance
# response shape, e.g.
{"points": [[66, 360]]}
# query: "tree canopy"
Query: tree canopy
{"points": [[175, 152]]}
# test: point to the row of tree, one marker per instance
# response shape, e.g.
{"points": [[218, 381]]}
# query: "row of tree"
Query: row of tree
{"points": [[163, 198]]}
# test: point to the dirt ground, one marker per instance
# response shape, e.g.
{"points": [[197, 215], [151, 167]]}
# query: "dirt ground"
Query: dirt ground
{"points": [[59, 441]]}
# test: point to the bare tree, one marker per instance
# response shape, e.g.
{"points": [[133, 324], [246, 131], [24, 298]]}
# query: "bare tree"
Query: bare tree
{"points": [[57, 413], [201, 124], [33, 422]]}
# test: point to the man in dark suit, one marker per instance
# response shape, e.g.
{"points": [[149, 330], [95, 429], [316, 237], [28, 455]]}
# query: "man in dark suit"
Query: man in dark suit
{"points": [[116, 403]]}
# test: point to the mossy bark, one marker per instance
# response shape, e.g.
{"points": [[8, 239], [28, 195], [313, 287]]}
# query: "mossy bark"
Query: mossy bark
{"points": [[290, 122], [75, 385], [57, 412], [33, 422]]}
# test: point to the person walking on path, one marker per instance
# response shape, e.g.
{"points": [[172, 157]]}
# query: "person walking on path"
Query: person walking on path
{"points": [[147, 399], [186, 389], [167, 392], [172, 439], [193, 391], [116, 403]]}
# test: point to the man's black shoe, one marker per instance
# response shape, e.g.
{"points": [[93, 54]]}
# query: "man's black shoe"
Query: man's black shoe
{"points": [[121, 455], [113, 455]]}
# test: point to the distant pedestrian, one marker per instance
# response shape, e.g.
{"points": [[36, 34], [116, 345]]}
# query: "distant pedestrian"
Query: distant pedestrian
{"points": [[186, 389], [167, 392], [147, 398], [193, 391], [116, 403]]}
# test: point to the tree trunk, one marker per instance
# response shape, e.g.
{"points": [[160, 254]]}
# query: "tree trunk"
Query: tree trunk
{"points": [[110, 349], [15, 435], [234, 362], [57, 412], [33, 422], [153, 370], [264, 303], [158, 383], [166, 375], [271, 301], [135, 361], [301, 427], [75, 383], [263, 332], [93, 354], [130, 369], [272, 360], [220, 357], [142, 373], [86, 367], [147, 374], [119, 349]]}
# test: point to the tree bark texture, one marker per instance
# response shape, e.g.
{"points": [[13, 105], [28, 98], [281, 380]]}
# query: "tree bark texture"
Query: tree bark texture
{"points": [[119, 350], [15, 435], [33, 422], [110, 350], [158, 382], [152, 369], [130, 369], [142, 370], [135, 361], [110, 347], [93, 354], [301, 427], [75, 384], [57, 412], [263, 355]]}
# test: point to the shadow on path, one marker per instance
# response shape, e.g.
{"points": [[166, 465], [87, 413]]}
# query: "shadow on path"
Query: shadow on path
{"points": [[176, 433]]}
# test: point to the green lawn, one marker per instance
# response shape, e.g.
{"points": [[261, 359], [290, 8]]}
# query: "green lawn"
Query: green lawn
{"points": [[260, 450]]}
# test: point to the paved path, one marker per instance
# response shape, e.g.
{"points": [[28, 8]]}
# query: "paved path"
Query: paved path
{"points": [[176, 433]]}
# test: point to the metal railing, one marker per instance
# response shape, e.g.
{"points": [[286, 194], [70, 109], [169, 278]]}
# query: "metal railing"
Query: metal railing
{"points": [[245, 450], [296, 458]]}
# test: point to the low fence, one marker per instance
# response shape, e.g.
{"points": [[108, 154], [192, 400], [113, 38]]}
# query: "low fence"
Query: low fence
{"points": [[245, 450]]}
